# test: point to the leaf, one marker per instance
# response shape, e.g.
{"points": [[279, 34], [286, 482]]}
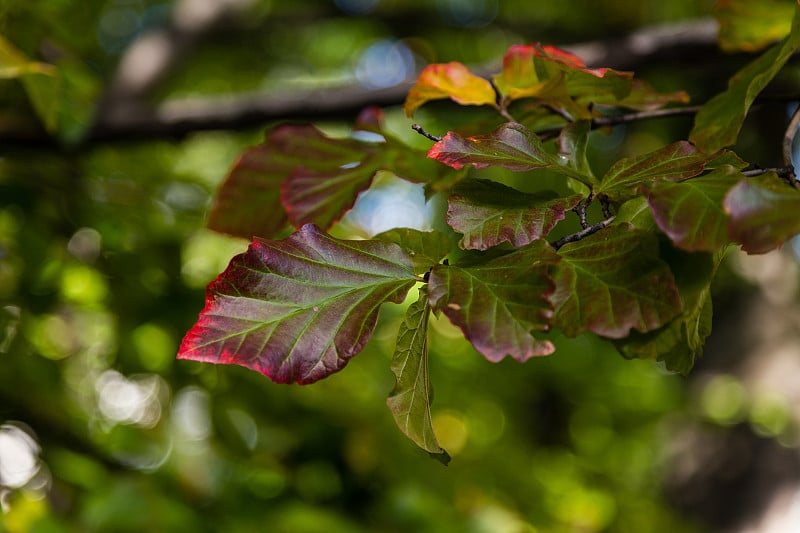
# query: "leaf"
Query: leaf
{"points": [[449, 80], [674, 162], [690, 213], [763, 214], [520, 77], [572, 144], [643, 97], [249, 200], [612, 281], [718, 123], [749, 26], [511, 146], [680, 343], [426, 248], [15, 64], [488, 213], [298, 309], [497, 304], [410, 399]]}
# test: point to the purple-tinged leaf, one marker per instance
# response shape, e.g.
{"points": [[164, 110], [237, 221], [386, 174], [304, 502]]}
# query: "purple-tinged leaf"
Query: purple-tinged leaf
{"points": [[511, 146], [298, 309], [680, 342], [426, 248], [690, 213], [764, 213], [410, 399], [449, 80], [718, 123], [675, 162], [612, 281], [499, 303], [488, 213], [248, 202]]}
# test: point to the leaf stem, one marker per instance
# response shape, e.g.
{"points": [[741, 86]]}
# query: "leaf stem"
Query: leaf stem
{"points": [[583, 233]]}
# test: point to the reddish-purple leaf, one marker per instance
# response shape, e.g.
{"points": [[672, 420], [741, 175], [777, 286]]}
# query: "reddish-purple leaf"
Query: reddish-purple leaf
{"points": [[511, 146], [298, 309], [612, 281], [248, 202], [451, 80], [690, 213], [499, 303], [675, 162], [489, 213], [763, 214]]}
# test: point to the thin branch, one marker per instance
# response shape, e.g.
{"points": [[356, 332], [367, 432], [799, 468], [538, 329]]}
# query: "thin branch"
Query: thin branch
{"points": [[419, 129], [614, 120], [594, 228], [788, 141]]}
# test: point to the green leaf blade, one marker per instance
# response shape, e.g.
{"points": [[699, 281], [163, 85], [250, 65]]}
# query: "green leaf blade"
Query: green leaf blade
{"points": [[410, 399], [488, 213], [718, 123], [298, 309]]}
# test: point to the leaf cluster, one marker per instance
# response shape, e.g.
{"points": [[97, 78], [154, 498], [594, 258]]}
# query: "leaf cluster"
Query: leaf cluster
{"points": [[637, 272]]}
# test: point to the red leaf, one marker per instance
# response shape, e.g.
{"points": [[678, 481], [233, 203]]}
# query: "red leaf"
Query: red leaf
{"points": [[298, 309]]}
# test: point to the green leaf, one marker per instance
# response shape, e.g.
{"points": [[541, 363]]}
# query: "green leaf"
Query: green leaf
{"points": [[764, 213], [643, 97], [526, 74], [718, 123], [674, 162], [298, 309], [410, 399], [488, 213], [499, 303], [451, 80], [749, 26], [426, 248], [572, 144], [612, 281], [680, 343], [690, 213], [511, 146]]}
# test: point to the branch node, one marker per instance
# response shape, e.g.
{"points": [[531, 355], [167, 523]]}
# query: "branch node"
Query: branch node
{"points": [[594, 228]]}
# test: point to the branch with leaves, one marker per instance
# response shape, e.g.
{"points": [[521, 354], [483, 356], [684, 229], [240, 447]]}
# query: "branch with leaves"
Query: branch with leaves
{"points": [[510, 267]]}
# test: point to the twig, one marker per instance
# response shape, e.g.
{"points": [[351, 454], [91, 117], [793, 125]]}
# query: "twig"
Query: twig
{"points": [[614, 120], [583, 233], [788, 141], [605, 204], [419, 129]]}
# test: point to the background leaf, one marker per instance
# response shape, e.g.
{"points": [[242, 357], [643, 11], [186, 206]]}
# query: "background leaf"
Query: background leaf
{"points": [[298, 309], [690, 213], [718, 123], [449, 80], [748, 26], [488, 213], [499, 303], [613, 281], [410, 399], [764, 213]]}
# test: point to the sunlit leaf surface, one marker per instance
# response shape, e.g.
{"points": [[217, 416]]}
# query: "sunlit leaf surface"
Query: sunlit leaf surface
{"points": [[298, 309]]}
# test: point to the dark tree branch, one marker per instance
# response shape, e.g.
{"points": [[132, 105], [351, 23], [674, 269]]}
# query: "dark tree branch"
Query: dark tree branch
{"points": [[788, 142], [419, 129], [594, 228]]}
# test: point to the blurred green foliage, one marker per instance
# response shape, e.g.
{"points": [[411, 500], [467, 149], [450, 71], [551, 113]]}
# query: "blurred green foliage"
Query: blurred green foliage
{"points": [[103, 264]]}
